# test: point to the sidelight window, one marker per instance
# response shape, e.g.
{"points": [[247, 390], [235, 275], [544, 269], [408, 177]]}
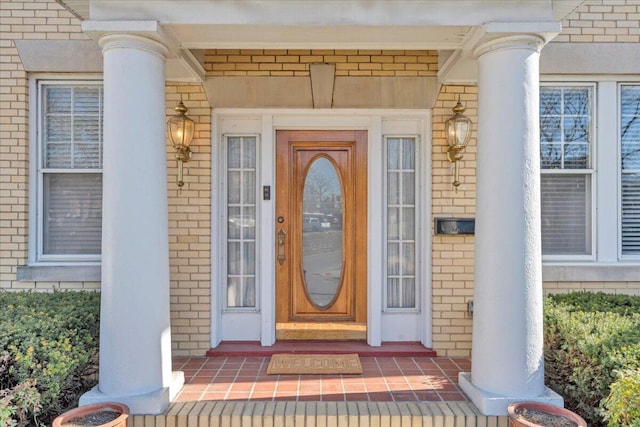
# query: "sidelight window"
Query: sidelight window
{"points": [[241, 221], [401, 223]]}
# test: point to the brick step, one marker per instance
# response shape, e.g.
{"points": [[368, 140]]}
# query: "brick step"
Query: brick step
{"points": [[329, 414]]}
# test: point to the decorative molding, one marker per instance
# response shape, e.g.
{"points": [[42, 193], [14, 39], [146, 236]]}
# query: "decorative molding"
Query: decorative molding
{"points": [[322, 84]]}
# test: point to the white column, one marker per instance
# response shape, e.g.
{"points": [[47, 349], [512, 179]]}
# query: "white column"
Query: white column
{"points": [[507, 352], [135, 339]]}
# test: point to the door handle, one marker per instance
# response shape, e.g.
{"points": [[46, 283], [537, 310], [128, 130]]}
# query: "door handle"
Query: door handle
{"points": [[281, 246]]}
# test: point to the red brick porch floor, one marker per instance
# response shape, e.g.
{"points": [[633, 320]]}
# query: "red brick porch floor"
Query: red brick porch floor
{"points": [[384, 379]]}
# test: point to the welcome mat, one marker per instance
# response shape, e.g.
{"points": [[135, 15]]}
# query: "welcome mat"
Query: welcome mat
{"points": [[296, 364]]}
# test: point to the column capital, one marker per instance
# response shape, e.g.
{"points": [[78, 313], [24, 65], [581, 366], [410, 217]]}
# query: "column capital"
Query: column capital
{"points": [[132, 41], [142, 35], [495, 36], [531, 42]]}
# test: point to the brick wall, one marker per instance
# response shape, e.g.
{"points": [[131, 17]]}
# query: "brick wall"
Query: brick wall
{"points": [[603, 21], [190, 208], [190, 229], [21, 20], [247, 62], [600, 21], [453, 256]]}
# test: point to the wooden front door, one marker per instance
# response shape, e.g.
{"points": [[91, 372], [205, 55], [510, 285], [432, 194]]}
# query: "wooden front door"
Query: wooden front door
{"points": [[321, 228]]}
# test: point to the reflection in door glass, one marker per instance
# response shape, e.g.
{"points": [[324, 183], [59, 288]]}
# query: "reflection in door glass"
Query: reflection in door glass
{"points": [[322, 232]]}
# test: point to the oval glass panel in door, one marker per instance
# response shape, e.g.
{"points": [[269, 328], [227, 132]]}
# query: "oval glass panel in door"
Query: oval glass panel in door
{"points": [[322, 232]]}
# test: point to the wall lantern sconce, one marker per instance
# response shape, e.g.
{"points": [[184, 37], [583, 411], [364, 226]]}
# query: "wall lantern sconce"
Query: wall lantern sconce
{"points": [[458, 130], [180, 130]]}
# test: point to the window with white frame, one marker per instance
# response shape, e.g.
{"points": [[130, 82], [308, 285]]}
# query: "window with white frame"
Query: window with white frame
{"points": [[567, 172], [629, 134], [241, 221], [69, 171], [401, 223]]}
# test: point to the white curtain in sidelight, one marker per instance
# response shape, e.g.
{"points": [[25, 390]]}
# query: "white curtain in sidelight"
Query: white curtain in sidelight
{"points": [[241, 221], [401, 223]]}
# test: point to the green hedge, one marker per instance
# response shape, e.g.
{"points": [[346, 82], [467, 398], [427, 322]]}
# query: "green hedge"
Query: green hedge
{"points": [[622, 406], [589, 337], [49, 343], [50, 339]]}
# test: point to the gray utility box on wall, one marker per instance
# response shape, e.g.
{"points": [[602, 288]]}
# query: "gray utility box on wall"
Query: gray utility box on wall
{"points": [[455, 226]]}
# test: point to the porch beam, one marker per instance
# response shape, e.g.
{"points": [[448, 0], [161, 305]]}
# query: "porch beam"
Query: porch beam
{"points": [[347, 92], [384, 13]]}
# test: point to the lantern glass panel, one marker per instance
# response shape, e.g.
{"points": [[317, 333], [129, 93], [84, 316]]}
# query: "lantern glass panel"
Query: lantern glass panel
{"points": [[458, 131], [181, 130]]}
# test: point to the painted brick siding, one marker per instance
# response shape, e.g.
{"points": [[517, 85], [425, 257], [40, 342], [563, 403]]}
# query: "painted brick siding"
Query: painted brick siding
{"points": [[603, 21], [247, 62]]}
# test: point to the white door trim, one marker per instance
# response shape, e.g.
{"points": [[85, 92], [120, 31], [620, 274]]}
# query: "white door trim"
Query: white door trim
{"points": [[259, 324]]}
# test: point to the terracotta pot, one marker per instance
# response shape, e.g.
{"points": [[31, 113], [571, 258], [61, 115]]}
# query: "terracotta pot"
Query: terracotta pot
{"points": [[82, 411], [547, 408]]}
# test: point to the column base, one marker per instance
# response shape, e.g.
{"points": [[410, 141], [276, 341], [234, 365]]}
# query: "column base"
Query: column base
{"points": [[150, 403], [494, 404]]}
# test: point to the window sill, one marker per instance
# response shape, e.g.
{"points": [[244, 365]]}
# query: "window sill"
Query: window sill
{"points": [[591, 273], [59, 273]]}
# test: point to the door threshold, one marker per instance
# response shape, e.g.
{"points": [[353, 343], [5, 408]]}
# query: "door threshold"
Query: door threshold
{"points": [[326, 331], [255, 349]]}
